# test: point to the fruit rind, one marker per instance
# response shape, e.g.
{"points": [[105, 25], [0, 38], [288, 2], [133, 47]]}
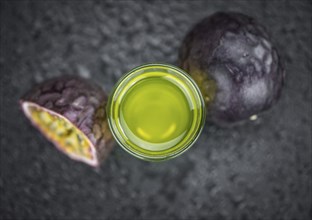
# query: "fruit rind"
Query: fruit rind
{"points": [[235, 52]]}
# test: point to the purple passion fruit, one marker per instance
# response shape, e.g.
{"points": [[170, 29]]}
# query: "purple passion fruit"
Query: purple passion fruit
{"points": [[234, 63], [70, 112]]}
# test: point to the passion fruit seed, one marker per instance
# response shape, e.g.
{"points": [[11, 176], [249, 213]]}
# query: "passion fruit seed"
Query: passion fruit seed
{"points": [[232, 59], [70, 112]]}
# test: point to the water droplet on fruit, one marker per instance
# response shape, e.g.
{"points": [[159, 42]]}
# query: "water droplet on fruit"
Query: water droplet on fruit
{"points": [[253, 117], [259, 51]]}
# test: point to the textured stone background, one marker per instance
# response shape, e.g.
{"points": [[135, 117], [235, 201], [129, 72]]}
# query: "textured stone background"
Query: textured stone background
{"points": [[259, 170]]}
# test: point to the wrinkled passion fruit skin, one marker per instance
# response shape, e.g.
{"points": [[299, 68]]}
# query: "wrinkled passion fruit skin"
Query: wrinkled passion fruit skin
{"points": [[235, 64], [82, 103]]}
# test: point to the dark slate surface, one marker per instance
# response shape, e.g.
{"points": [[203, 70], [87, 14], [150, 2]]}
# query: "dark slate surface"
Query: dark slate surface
{"points": [[259, 170]]}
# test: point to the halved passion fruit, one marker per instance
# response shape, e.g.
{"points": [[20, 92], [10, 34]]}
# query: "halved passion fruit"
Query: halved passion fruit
{"points": [[70, 112]]}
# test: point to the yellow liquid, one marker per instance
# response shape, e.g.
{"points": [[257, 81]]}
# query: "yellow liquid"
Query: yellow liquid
{"points": [[155, 110]]}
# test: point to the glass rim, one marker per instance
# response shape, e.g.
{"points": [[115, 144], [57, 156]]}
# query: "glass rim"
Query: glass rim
{"points": [[171, 152]]}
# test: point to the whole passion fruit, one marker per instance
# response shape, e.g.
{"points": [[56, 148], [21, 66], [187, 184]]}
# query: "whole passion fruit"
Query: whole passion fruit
{"points": [[70, 112], [234, 63]]}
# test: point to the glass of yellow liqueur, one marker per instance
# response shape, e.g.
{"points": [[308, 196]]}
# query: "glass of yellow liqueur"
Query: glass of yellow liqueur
{"points": [[156, 112]]}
